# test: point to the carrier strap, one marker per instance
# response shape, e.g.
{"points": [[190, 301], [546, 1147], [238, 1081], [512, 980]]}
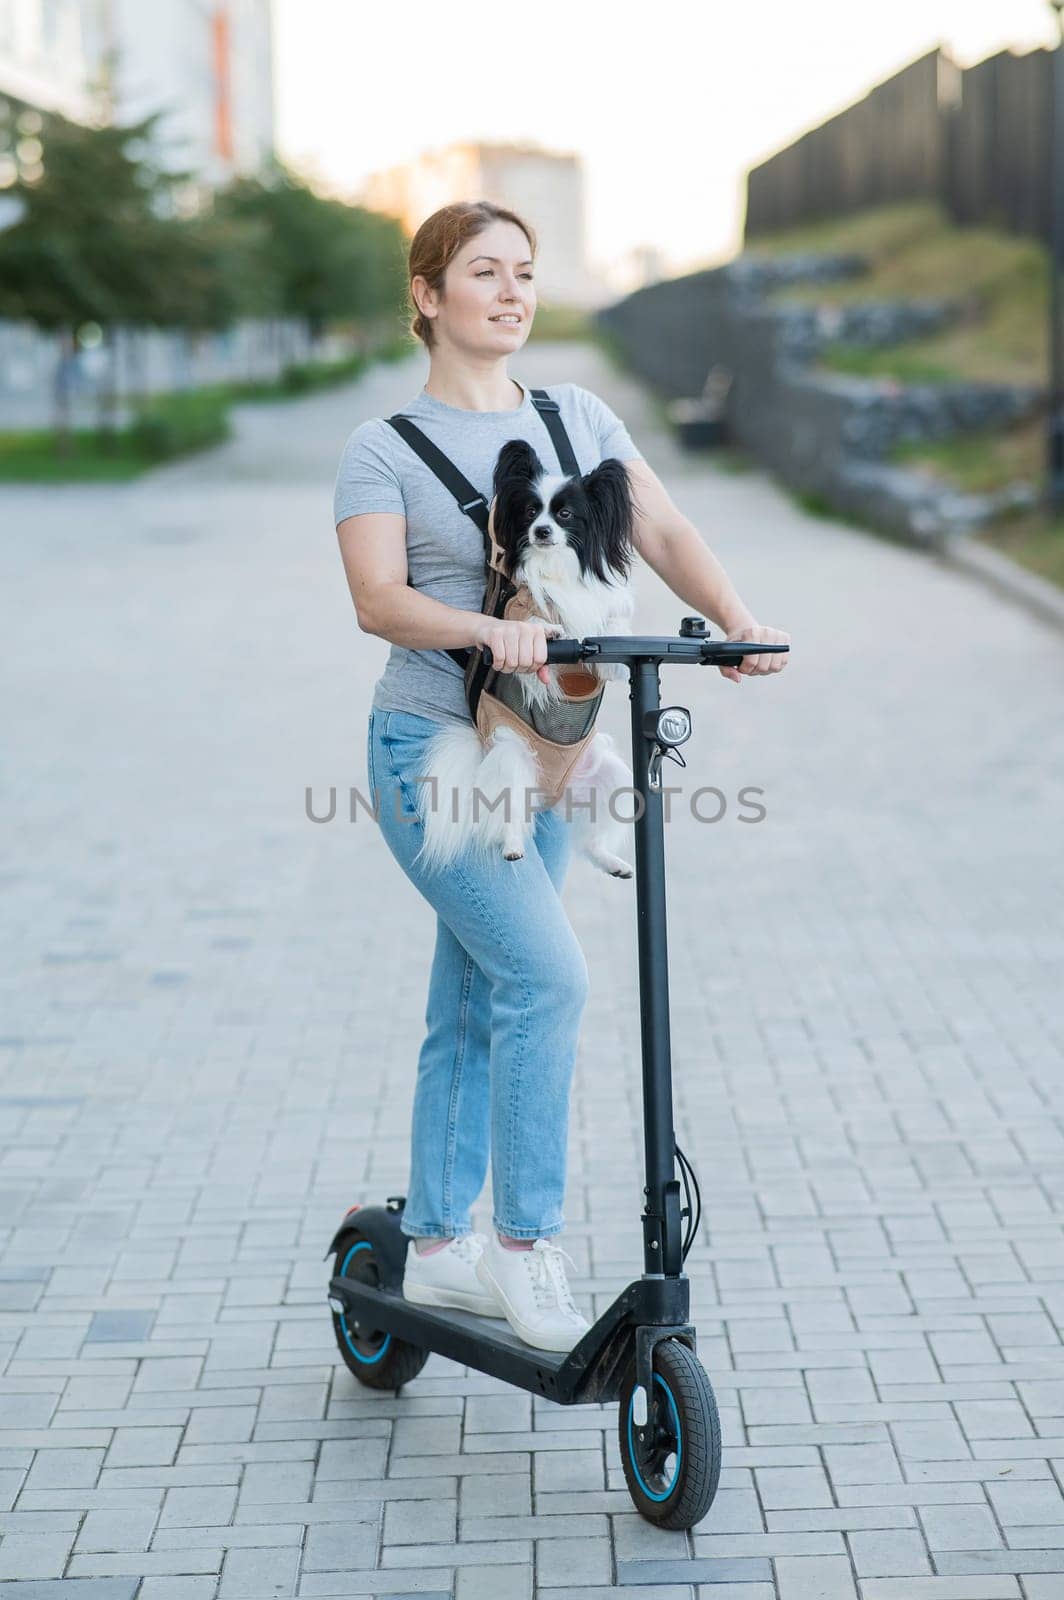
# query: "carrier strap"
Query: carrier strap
{"points": [[471, 502], [550, 411]]}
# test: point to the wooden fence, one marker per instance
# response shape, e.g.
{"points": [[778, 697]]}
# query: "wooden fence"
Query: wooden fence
{"points": [[975, 140]]}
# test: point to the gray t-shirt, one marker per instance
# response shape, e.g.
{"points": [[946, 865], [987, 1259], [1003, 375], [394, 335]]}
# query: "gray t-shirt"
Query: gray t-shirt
{"points": [[444, 547]]}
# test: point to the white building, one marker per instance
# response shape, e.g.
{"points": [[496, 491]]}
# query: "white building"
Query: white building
{"points": [[207, 63], [544, 186], [210, 67], [50, 52]]}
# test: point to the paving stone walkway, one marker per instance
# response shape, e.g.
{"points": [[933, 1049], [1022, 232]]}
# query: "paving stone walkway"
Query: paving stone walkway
{"points": [[211, 1009]]}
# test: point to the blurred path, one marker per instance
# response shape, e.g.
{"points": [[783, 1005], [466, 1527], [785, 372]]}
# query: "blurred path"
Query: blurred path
{"points": [[212, 1009]]}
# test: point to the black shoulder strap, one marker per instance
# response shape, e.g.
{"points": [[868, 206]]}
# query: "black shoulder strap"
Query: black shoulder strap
{"points": [[550, 411], [471, 502]]}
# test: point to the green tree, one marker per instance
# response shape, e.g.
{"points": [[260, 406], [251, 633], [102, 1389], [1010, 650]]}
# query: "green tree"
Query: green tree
{"points": [[99, 238], [331, 262]]}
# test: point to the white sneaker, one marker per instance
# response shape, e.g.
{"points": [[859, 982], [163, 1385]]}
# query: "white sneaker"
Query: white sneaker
{"points": [[532, 1292], [447, 1277]]}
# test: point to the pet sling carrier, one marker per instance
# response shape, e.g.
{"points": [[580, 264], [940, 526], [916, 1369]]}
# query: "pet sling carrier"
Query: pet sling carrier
{"points": [[559, 730]]}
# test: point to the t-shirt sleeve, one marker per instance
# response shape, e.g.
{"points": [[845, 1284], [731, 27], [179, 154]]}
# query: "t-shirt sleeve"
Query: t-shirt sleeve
{"points": [[613, 437], [366, 480]]}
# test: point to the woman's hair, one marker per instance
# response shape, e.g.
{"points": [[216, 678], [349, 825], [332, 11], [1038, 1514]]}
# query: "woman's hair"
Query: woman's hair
{"points": [[439, 239]]}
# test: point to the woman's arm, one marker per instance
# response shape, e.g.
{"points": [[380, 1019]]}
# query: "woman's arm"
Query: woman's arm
{"points": [[671, 544], [373, 550]]}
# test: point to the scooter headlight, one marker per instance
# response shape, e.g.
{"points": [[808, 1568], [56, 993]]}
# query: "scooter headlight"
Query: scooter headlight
{"points": [[673, 726]]}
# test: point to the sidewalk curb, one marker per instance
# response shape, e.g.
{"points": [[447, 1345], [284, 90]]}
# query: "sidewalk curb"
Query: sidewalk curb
{"points": [[1004, 576]]}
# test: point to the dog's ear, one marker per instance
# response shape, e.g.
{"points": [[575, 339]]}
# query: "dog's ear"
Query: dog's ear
{"points": [[516, 461], [609, 494]]}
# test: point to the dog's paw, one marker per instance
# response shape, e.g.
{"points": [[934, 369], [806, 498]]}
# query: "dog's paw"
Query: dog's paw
{"points": [[607, 862]]}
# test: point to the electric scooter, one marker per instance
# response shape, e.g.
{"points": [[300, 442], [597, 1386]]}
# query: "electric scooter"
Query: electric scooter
{"points": [[642, 1350]]}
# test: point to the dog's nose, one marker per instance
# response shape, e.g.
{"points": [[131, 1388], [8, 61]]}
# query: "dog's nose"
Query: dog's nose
{"points": [[542, 534]]}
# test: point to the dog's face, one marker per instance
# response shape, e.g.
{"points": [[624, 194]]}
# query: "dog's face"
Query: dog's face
{"points": [[592, 516]]}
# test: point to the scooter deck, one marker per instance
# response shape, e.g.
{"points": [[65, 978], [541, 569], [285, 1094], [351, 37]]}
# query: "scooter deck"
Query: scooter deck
{"points": [[487, 1344], [592, 1371]]}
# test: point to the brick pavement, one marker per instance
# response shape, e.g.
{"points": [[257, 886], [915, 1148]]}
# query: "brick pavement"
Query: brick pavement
{"points": [[212, 1007]]}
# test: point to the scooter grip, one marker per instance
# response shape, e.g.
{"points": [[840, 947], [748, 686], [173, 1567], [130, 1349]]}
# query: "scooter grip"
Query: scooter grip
{"points": [[558, 650], [565, 650]]}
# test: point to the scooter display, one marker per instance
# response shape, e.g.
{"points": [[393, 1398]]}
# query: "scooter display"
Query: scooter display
{"points": [[641, 1351]]}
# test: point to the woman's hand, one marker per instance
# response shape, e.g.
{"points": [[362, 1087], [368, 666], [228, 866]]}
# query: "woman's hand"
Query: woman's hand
{"points": [[757, 666], [518, 646]]}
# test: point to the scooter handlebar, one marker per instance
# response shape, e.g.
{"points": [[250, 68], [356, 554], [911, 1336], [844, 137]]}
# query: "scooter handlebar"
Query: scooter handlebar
{"points": [[677, 649]]}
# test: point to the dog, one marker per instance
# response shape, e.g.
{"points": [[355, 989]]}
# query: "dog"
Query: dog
{"points": [[568, 542]]}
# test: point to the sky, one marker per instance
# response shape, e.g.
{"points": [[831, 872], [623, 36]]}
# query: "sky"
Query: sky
{"points": [[668, 104]]}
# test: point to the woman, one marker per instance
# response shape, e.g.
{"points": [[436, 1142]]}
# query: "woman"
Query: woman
{"points": [[509, 980]]}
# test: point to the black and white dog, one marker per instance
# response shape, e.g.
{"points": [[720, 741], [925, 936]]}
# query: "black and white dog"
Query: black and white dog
{"points": [[568, 541]]}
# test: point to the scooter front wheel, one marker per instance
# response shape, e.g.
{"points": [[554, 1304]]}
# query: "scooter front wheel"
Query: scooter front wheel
{"points": [[672, 1460], [378, 1359]]}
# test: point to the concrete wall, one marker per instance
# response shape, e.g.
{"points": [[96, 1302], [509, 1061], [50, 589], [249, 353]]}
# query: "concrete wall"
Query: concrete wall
{"points": [[823, 433]]}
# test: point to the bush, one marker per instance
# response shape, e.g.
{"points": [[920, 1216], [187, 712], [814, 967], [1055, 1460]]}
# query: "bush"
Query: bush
{"points": [[167, 425], [300, 377], [175, 424]]}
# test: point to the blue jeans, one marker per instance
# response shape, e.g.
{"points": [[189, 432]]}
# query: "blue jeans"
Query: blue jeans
{"points": [[507, 990]]}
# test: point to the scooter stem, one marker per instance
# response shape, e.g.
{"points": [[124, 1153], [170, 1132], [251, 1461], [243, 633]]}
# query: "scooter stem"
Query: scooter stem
{"points": [[662, 1229]]}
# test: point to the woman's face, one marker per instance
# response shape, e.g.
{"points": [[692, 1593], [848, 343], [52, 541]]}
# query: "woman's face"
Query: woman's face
{"points": [[479, 290]]}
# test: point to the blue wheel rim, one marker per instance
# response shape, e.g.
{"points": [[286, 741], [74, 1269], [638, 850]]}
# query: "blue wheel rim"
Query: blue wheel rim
{"points": [[359, 1355], [674, 1416]]}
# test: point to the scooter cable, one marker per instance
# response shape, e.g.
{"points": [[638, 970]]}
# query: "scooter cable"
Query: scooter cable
{"points": [[687, 1173]]}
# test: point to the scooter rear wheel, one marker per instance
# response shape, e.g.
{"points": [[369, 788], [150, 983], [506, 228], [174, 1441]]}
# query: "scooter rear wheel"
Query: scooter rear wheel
{"points": [[377, 1359], [672, 1461]]}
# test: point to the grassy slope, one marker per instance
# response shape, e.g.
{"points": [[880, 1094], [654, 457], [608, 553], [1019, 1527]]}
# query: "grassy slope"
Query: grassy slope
{"points": [[915, 253]]}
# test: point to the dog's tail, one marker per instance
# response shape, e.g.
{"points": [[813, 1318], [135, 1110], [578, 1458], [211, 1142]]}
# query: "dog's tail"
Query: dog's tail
{"points": [[475, 792]]}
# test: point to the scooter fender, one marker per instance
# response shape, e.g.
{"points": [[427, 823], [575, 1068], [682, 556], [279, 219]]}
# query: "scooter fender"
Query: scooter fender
{"points": [[380, 1225]]}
